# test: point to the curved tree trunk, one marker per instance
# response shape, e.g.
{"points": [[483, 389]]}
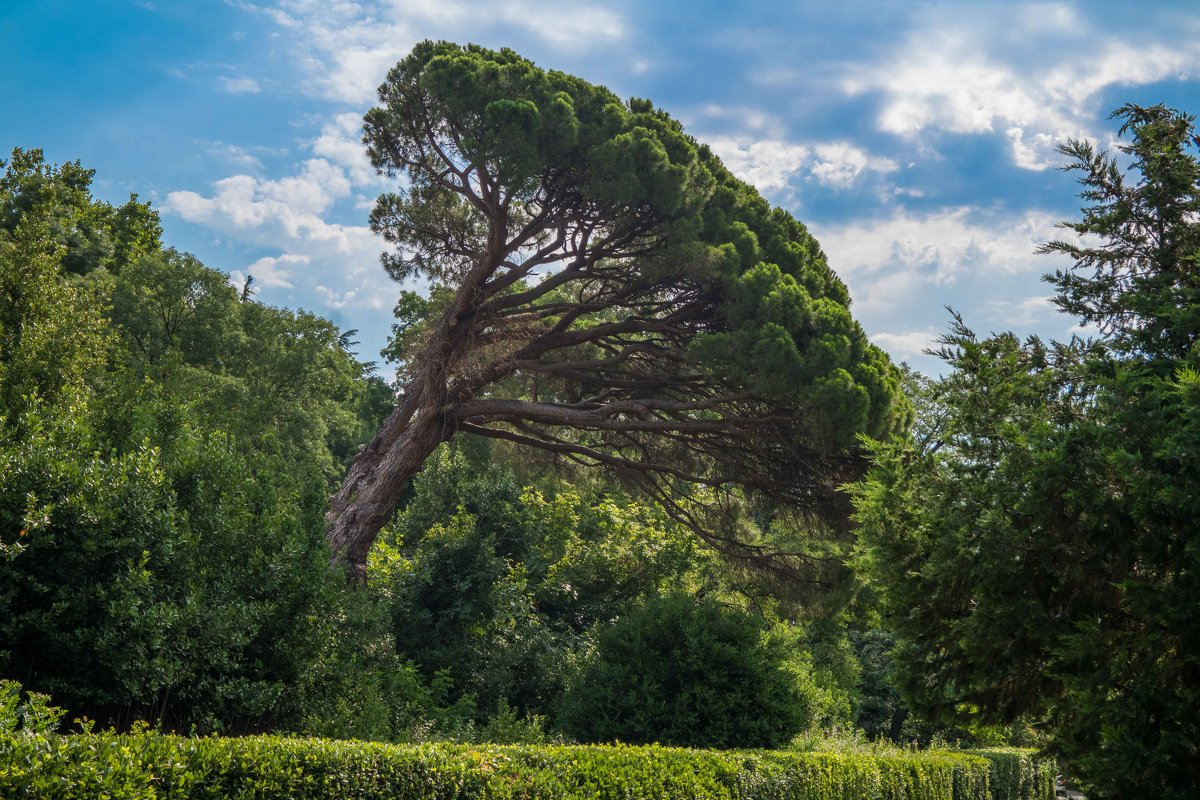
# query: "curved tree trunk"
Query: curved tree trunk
{"points": [[377, 477], [423, 418]]}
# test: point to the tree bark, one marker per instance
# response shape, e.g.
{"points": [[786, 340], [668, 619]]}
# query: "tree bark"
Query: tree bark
{"points": [[377, 477], [423, 418]]}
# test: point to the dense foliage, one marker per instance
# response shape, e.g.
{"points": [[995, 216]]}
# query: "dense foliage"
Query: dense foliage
{"points": [[1015, 773], [1037, 550], [502, 595], [166, 449], [682, 671], [35, 763], [496, 584]]}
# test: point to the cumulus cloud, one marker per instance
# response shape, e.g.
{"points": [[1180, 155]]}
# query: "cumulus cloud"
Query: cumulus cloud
{"points": [[940, 245], [1021, 311], [750, 118], [244, 157], [315, 260], [270, 272], [840, 164], [347, 47], [772, 164], [765, 164], [907, 345], [1035, 76], [905, 268], [286, 211], [340, 141], [234, 154], [366, 295]]}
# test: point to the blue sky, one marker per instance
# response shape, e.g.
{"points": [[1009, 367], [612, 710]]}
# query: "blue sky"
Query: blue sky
{"points": [[914, 139]]}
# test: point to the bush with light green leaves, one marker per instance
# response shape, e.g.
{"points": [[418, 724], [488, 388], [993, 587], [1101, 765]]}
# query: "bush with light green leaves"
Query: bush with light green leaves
{"points": [[148, 765]]}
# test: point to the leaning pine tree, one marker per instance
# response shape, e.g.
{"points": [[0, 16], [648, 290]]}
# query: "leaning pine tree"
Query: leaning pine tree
{"points": [[602, 288]]}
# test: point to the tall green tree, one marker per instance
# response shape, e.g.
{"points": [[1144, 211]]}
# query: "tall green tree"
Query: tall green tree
{"points": [[93, 234], [166, 451], [1037, 549], [607, 291]]}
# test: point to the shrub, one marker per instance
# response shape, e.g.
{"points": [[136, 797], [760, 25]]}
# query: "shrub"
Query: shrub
{"points": [[688, 672], [148, 766], [1017, 773], [31, 716]]}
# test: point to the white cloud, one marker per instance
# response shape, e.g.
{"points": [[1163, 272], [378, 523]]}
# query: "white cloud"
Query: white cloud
{"points": [[772, 164], [1021, 311], [243, 157], [566, 25], [774, 76], [234, 154], [907, 257], [748, 118], [270, 272], [904, 269], [766, 164], [238, 85], [366, 295], [1034, 152], [1040, 17], [945, 241], [340, 141], [348, 47], [1034, 73], [907, 345], [1083, 331], [839, 164], [285, 211], [291, 215]]}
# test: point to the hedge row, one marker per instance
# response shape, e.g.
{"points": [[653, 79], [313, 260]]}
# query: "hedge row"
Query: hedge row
{"points": [[151, 766], [1018, 774]]}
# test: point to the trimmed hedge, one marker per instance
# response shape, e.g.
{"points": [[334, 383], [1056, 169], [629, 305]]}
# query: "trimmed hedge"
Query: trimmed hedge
{"points": [[1017, 774], [154, 767]]}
